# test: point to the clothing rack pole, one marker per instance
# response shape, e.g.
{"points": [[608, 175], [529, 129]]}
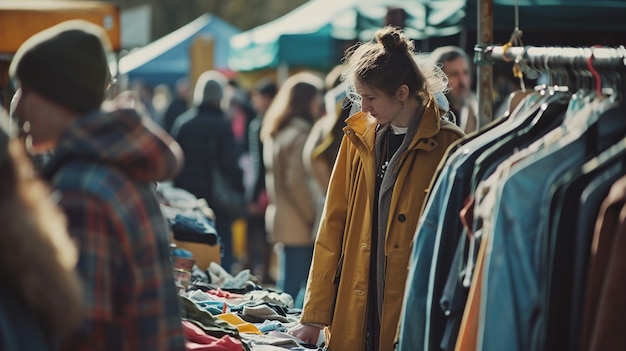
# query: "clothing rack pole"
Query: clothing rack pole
{"points": [[593, 60], [484, 72], [559, 55]]}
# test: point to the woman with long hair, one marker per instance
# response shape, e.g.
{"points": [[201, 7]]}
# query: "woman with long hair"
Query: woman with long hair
{"points": [[290, 214]]}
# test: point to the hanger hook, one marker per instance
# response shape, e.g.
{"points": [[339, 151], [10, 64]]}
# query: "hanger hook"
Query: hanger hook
{"points": [[594, 72]]}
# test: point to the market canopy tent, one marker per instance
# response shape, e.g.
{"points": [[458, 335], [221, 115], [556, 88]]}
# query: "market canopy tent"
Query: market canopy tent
{"points": [[314, 35], [554, 15], [168, 59], [311, 35]]}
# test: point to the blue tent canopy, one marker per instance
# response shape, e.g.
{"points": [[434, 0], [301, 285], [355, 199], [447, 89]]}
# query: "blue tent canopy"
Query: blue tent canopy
{"points": [[167, 59]]}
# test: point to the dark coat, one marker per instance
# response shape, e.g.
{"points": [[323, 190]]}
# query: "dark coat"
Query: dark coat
{"points": [[195, 131], [177, 107]]}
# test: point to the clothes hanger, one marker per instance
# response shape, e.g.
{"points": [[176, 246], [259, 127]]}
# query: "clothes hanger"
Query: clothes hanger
{"points": [[621, 70], [596, 76], [563, 76], [610, 74], [516, 97]]}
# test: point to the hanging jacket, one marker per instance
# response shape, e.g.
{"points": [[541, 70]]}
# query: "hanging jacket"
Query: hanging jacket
{"points": [[337, 290], [104, 172]]}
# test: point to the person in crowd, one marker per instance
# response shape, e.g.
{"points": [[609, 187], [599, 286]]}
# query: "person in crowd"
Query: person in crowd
{"points": [[456, 65], [258, 249], [387, 160], [290, 213], [103, 170], [322, 144], [145, 93], [40, 294], [239, 111], [207, 140], [161, 99], [179, 103]]}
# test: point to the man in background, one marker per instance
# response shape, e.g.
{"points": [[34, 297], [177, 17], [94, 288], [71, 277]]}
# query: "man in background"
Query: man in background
{"points": [[103, 167], [456, 65]]}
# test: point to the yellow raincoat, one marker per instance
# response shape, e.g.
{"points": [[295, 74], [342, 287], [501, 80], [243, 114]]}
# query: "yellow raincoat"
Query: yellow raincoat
{"points": [[337, 290]]}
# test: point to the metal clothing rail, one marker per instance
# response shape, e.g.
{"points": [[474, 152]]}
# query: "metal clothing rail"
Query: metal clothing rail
{"points": [[548, 58], [601, 56]]}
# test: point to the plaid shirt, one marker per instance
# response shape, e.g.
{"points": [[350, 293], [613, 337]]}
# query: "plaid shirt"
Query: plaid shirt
{"points": [[104, 169]]}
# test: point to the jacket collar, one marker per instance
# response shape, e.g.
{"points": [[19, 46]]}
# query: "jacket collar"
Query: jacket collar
{"points": [[364, 127]]}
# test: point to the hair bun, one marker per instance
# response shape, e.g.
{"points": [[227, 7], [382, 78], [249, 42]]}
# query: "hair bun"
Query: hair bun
{"points": [[393, 39]]}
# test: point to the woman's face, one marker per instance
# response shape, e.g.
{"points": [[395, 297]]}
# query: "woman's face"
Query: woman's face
{"points": [[381, 106]]}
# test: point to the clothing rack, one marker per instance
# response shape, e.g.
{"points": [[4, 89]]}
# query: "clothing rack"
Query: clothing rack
{"points": [[589, 59], [557, 55]]}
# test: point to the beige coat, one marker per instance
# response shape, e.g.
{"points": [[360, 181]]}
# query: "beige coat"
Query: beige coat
{"points": [[337, 289], [290, 214]]}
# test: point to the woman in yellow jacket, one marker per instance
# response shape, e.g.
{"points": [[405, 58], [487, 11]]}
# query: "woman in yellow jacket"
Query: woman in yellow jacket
{"points": [[388, 157]]}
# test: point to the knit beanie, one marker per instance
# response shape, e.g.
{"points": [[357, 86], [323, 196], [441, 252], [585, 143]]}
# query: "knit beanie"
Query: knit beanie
{"points": [[66, 63]]}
